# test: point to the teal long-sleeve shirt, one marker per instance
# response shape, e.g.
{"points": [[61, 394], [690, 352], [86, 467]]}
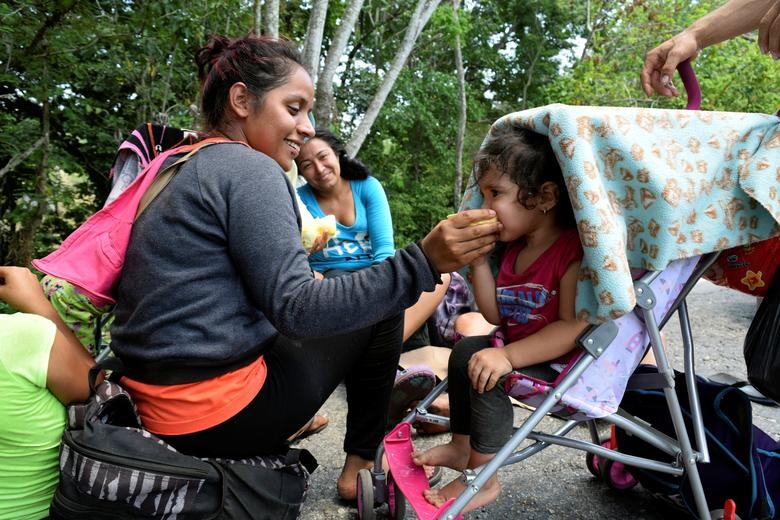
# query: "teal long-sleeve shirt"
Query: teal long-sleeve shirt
{"points": [[368, 241]]}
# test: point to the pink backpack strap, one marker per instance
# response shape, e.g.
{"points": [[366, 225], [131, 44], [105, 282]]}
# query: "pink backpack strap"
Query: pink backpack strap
{"points": [[92, 257]]}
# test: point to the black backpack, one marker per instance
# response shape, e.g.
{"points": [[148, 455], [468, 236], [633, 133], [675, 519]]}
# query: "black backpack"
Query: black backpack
{"points": [[110, 467], [762, 344], [744, 461]]}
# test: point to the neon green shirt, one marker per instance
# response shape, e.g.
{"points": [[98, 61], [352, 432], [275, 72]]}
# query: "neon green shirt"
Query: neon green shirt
{"points": [[31, 418]]}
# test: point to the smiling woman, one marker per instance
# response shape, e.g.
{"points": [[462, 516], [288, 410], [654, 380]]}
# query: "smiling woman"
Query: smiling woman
{"points": [[229, 343], [339, 185], [277, 130]]}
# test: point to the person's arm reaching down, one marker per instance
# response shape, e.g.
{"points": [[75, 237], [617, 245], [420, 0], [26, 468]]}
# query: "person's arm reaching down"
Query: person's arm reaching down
{"points": [[731, 19], [69, 362]]}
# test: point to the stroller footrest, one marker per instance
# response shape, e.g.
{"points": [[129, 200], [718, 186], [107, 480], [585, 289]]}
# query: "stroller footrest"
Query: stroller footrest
{"points": [[408, 477]]}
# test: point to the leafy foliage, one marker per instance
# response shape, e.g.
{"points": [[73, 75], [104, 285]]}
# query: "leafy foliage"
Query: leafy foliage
{"points": [[733, 75], [103, 67]]}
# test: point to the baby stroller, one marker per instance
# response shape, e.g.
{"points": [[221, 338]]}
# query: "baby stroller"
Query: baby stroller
{"points": [[594, 381]]}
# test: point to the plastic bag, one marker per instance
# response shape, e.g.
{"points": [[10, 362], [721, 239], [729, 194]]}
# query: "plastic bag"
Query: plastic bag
{"points": [[762, 344]]}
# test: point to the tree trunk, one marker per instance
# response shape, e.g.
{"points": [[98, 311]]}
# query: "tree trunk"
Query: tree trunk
{"points": [[311, 49], [325, 109], [530, 72], [19, 158], [162, 116], [257, 16], [593, 23], [22, 246], [530, 76], [459, 139], [272, 18], [422, 13]]}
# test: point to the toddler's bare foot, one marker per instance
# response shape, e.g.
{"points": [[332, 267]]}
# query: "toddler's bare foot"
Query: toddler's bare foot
{"points": [[453, 455], [346, 486], [486, 495]]}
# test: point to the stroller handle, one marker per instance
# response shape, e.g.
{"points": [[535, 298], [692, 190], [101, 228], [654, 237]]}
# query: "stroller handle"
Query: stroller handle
{"points": [[691, 85]]}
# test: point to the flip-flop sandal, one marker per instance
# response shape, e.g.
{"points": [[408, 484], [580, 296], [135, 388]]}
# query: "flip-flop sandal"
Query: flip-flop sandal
{"points": [[311, 429], [411, 384]]}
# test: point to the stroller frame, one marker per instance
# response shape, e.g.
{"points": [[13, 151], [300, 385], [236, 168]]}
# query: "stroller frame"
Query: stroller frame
{"points": [[594, 341]]}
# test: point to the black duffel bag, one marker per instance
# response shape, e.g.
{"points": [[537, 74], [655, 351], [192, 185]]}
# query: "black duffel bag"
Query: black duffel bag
{"points": [[110, 467]]}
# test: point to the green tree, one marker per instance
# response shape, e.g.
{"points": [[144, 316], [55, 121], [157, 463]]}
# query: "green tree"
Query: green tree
{"points": [[733, 75], [412, 146], [76, 77]]}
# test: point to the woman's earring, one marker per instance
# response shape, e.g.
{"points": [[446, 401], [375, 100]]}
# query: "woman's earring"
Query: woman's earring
{"points": [[544, 211]]}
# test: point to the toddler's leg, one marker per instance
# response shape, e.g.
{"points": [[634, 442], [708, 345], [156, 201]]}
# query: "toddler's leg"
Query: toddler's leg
{"points": [[455, 454], [490, 426], [484, 496]]}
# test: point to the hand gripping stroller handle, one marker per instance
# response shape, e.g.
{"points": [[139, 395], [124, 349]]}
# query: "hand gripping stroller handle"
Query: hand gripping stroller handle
{"points": [[691, 85]]}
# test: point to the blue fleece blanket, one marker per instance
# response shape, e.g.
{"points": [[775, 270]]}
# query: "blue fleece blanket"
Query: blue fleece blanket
{"points": [[649, 186]]}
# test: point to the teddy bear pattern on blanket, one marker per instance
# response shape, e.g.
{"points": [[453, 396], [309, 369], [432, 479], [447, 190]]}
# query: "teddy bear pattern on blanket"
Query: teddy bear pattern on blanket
{"points": [[649, 186]]}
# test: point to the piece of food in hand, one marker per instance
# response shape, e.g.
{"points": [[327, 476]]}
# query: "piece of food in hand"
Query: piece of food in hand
{"points": [[314, 228], [478, 222]]}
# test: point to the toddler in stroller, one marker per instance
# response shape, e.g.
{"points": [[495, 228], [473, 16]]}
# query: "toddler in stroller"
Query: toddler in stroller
{"points": [[651, 190], [520, 179]]}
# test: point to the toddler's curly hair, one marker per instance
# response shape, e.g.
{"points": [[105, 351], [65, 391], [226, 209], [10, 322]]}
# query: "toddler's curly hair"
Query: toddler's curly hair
{"points": [[528, 159]]}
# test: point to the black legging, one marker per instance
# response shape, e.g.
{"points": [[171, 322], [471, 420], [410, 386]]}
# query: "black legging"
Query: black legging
{"points": [[486, 417], [301, 377]]}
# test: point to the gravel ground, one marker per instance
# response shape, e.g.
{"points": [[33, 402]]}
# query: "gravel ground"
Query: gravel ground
{"points": [[555, 484]]}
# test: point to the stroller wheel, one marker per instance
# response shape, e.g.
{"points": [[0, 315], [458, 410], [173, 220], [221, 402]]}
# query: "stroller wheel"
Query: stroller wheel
{"points": [[365, 495], [593, 462], [396, 502], [616, 475]]}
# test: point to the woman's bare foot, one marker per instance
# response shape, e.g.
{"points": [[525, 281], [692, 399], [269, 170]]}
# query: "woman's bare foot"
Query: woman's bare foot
{"points": [[346, 485], [484, 496], [453, 455]]}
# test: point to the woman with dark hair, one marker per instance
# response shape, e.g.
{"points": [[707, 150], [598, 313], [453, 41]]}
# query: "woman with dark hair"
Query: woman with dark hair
{"points": [[229, 343], [339, 185], [342, 186]]}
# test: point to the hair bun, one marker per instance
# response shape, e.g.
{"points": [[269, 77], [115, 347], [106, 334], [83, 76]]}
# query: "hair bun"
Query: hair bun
{"points": [[210, 53]]}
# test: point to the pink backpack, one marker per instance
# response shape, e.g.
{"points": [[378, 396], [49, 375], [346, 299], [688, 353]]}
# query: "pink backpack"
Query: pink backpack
{"points": [[91, 258]]}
